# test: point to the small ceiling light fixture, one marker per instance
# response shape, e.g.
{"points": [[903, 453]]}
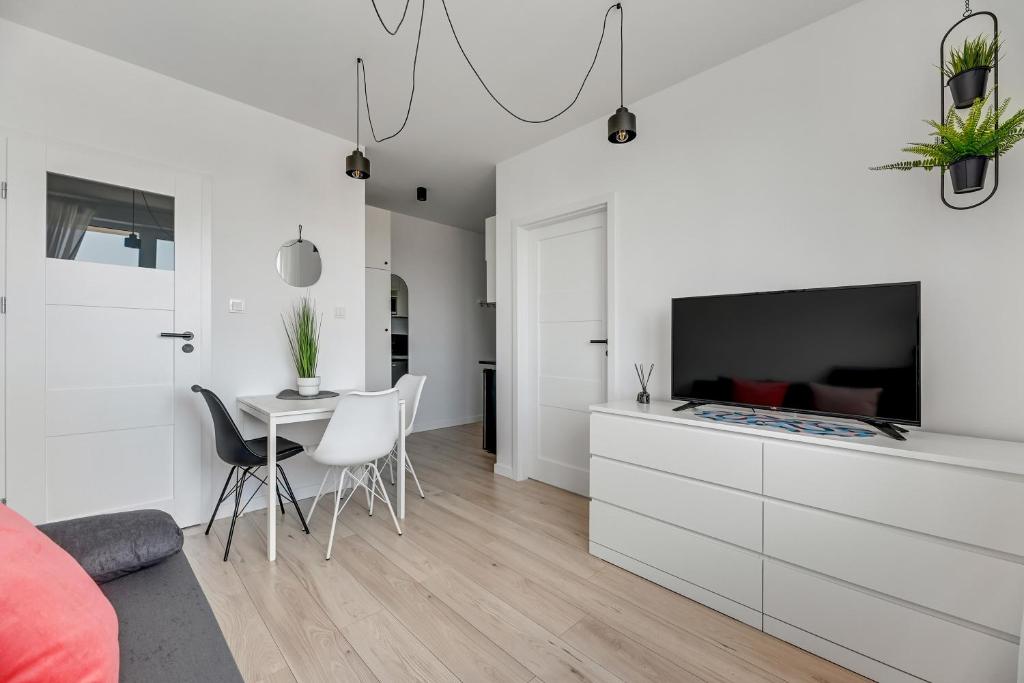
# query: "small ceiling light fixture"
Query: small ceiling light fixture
{"points": [[621, 124], [356, 164], [421, 194]]}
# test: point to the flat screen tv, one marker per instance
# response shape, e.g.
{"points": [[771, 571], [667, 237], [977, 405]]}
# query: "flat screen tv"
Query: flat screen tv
{"points": [[842, 352]]}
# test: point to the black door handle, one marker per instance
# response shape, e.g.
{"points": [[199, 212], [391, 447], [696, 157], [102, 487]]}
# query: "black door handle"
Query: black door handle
{"points": [[598, 341], [187, 336]]}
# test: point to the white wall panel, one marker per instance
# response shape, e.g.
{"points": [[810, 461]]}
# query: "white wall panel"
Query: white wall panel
{"points": [[103, 347], [78, 411], [80, 283], [128, 469]]}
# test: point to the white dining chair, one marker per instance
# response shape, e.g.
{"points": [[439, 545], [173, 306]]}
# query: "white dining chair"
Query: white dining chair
{"points": [[363, 429], [410, 388]]}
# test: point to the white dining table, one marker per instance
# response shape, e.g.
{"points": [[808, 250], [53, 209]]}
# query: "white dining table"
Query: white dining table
{"points": [[273, 411]]}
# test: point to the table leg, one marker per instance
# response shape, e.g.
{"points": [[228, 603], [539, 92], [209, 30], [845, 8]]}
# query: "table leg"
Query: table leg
{"points": [[401, 460], [271, 490]]}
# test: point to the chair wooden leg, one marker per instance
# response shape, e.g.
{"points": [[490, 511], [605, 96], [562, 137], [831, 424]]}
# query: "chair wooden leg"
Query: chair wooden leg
{"points": [[220, 499], [291, 494]]}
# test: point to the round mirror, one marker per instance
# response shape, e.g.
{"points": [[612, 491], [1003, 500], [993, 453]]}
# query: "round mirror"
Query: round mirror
{"points": [[298, 263]]}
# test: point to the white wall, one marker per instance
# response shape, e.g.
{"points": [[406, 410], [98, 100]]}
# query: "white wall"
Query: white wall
{"points": [[449, 333], [753, 176], [267, 175]]}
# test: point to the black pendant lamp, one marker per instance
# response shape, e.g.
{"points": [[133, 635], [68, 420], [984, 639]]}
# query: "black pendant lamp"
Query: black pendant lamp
{"points": [[621, 124], [356, 164]]}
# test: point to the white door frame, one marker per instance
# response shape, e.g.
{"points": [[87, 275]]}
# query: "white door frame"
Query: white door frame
{"points": [[29, 158], [524, 385], [3, 321]]}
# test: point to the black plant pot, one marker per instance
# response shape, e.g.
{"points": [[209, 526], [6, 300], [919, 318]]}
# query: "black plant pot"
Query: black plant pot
{"points": [[968, 174], [968, 86]]}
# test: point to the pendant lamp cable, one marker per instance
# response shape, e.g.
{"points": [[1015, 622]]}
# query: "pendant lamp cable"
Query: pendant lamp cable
{"points": [[361, 64], [400, 21], [622, 50], [597, 51]]}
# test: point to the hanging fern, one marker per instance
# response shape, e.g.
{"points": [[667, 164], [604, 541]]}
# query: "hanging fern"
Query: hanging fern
{"points": [[975, 53], [958, 138]]}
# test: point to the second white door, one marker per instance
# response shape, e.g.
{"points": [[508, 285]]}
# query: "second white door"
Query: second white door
{"points": [[568, 296]]}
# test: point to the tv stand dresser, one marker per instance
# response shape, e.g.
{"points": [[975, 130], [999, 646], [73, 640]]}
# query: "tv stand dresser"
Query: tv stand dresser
{"points": [[901, 561]]}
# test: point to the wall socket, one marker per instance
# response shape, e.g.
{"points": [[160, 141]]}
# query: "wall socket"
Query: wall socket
{"points": [[339, 312], [236, 305]]}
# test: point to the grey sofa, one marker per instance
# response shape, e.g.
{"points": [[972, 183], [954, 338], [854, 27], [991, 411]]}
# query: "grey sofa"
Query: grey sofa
{"points": [[167, 631]]}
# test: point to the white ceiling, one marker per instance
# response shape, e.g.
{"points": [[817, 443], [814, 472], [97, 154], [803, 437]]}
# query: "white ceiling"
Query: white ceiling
{"points": [[296, 59]]}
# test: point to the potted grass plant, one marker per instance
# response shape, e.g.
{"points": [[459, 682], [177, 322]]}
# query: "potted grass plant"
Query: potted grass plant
{"points": [[967, 69], [965, 145], [302, 325]]}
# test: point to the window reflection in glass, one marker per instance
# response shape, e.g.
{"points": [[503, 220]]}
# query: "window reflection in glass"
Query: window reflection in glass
{"points": [[100, 223]]}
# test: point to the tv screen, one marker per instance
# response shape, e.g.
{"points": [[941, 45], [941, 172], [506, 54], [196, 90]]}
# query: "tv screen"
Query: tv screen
{"points": [[844, 351]]}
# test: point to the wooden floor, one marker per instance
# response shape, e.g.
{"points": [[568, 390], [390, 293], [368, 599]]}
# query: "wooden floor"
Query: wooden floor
{"points": [[491, 582]]}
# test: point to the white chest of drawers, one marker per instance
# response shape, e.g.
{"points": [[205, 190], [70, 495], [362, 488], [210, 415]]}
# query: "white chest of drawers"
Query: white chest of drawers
{"points": [[899, 560]]}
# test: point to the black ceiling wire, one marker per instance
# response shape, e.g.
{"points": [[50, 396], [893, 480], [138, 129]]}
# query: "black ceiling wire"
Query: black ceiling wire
{"points": [[381, 19], [597, 52], [412, 91], [419, 35]]}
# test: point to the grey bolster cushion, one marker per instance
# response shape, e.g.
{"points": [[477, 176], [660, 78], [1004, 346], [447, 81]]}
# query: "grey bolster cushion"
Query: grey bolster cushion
{"points": [[110, 546]]}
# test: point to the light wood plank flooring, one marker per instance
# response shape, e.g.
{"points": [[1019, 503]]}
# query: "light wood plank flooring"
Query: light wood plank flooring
{"points": [[491, 582]]}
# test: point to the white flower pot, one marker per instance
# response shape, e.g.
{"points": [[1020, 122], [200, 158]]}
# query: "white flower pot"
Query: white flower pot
{"points": [[308, 386]]}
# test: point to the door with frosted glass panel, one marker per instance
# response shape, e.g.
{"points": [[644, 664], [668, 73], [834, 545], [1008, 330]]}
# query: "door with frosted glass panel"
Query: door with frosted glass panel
{"points": [[120, 267]]}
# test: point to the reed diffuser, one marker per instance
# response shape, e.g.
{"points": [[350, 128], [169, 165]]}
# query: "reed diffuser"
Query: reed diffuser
{"points": [[643, 397]]}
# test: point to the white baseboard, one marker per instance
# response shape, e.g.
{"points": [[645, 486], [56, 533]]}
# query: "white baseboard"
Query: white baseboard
{"points": [[428, 425], [505, 471]]}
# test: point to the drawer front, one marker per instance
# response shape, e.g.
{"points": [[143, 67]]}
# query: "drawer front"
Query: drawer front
{"points": [[947, 578], [705, 454], [918, 643], [711, 510], [980, 508], [731, 572]]}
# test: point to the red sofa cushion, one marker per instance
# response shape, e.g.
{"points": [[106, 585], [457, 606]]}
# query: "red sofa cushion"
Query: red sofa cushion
{"points": [[55, 624], [771, 394]]}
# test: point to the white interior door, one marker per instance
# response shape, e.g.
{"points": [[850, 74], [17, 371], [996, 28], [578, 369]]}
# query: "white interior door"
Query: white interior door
{"points": [[568, 278], [378, 329], [109, 259]]}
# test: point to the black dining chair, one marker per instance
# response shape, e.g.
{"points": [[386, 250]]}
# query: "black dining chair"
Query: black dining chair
{"points": [[246, 457]]}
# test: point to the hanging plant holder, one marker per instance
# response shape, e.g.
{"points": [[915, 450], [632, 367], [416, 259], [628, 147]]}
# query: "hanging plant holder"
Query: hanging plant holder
{"points": [[968, 175], [968, 86]]}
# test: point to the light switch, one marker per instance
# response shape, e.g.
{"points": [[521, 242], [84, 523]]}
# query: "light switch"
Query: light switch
{"points": [[236, 305], [339, 312]]}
